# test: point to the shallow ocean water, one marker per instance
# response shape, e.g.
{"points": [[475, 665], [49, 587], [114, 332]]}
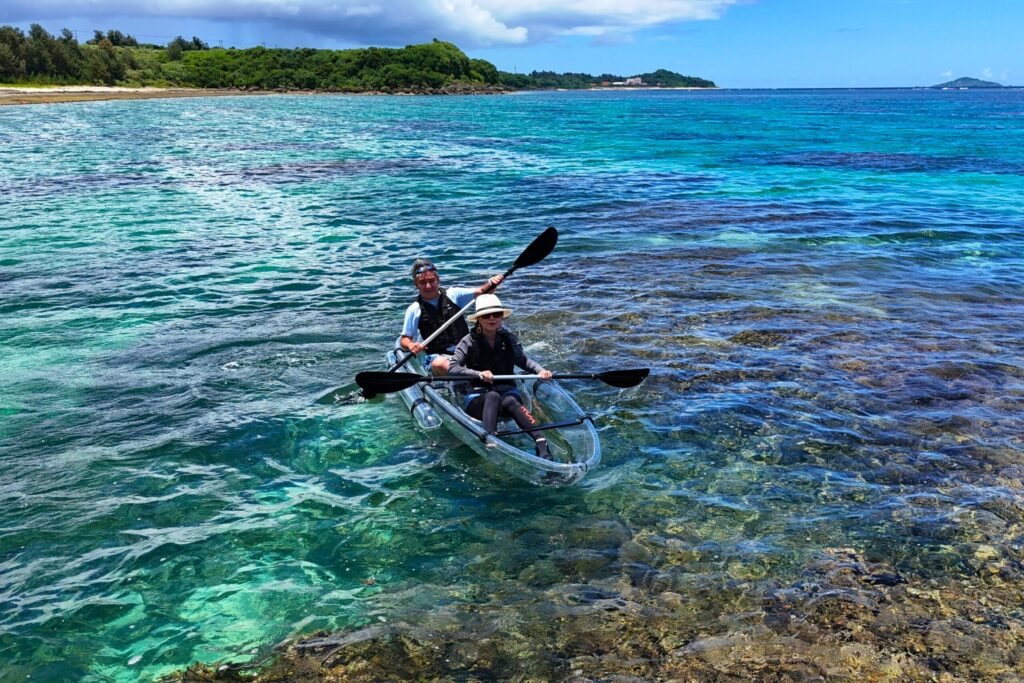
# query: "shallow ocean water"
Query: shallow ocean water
{"points": [[827, 285]]}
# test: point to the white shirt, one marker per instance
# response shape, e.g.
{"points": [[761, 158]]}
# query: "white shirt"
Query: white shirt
{"points": [[460, 296]]}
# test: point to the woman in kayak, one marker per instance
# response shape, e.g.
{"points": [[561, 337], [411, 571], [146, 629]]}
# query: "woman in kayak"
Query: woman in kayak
{"points": [[490, 350]]}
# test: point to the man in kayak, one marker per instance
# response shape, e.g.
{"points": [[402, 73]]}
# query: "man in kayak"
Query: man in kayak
{"points": [[490, 350], [433, 307]]}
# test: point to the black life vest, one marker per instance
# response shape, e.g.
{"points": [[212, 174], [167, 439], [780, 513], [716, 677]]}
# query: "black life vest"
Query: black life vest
{"points": [[432, 317], [500, 360]]}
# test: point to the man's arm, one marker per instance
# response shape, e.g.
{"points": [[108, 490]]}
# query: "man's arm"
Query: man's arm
{"points": [[489, 286], [410, 345], [410, 329], [461, 296]]}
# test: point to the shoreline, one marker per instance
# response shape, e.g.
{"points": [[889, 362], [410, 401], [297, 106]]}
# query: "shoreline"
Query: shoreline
{"points": [[17, 95], [619, 88]]}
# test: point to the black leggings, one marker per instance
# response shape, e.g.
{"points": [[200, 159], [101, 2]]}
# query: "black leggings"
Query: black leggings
{"points": [[486, 406]]}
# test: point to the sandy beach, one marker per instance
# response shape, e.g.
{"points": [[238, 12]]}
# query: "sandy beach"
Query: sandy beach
{"points": [[89, 93]]}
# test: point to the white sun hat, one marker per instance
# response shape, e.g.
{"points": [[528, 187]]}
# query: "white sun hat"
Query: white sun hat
{"points": [[488, 303]]}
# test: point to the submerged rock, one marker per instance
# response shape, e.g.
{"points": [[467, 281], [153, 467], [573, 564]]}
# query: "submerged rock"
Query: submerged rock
{"points": [[841, 617]]}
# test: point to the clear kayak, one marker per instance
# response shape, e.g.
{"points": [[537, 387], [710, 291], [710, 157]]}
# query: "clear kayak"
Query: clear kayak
{"points": [[573, 441]]}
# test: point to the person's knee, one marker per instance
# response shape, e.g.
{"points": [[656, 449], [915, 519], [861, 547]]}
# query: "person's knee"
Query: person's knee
{"points": [[439, 366]]}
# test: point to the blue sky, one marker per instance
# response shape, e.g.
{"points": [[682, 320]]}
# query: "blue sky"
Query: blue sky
{"points": [[736, 43]]}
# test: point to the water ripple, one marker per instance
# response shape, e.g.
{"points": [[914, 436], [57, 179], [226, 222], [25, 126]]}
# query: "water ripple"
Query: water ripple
{"points": [[830, 302]]}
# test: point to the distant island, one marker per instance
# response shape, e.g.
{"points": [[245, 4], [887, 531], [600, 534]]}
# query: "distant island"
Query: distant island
{"points": [[114, 58], [971, 83]]}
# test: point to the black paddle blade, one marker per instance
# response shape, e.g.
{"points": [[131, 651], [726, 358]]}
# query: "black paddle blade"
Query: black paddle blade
{"points": [[538, 249], [623, 379], [373, 383]]}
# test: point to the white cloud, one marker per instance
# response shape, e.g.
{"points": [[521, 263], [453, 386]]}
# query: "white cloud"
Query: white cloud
{"points": [[986, 73], [470, 23], [947, 74]]}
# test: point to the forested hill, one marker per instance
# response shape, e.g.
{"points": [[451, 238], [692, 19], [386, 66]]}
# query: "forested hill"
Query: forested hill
{"points": [[115, 58], [967, 82], [549, 79]]}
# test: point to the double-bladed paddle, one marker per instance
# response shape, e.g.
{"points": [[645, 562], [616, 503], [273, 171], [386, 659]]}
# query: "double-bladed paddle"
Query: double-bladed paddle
{"points": [[390, 382], [534, 253]]}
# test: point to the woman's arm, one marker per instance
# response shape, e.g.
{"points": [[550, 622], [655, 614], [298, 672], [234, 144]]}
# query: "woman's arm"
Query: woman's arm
{"points": [[457, 365]]}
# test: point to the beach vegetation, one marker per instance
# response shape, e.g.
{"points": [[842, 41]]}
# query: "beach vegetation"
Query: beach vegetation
{"points": [[550, 79], [670, 79], [114, 37], [430, 65], [116, 58], [179, 46], [575, 81], [42, 58]]}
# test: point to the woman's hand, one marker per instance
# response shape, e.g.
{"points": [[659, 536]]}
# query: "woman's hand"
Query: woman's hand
{"points": [[487, 376], [544, 374], [415, 347]]}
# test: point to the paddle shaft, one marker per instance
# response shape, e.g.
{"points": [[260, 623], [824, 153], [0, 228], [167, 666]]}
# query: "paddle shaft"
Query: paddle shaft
{"points": [[388, 382], [514, 377], [466, 378]]}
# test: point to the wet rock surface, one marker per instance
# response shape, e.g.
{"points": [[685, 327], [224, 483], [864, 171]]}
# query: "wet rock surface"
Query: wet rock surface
{"points": [[842, 617]]}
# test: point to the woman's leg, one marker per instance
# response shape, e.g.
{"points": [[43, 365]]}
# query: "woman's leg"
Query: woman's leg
{"points": [[523, 418], [485, 408]]}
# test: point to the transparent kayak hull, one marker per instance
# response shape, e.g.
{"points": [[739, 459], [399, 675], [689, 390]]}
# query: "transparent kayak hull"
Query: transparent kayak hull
{"points": [[575, 447]]}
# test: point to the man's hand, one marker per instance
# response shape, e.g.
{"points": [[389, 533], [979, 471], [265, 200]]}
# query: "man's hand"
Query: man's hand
{"points": [[487, 376], [544, 374], [491, 284], [411, 346]]}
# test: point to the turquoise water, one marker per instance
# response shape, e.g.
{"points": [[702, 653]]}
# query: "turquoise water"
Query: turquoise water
{"points": [[828, 286]]}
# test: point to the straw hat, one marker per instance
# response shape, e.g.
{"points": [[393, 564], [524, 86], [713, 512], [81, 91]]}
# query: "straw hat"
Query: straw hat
{"points": [[488, 303]]}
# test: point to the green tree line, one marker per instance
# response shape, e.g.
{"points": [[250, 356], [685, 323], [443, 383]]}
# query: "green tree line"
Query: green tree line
{"points": [[40, 57], [431, 65], [114, 57], [575, 81]]}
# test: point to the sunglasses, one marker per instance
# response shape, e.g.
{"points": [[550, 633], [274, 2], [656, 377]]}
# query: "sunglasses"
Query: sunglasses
{"points": [[488, 316], [426, 269]]}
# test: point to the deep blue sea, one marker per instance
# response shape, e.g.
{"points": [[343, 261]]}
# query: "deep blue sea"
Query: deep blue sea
{"points": [[827, 462]]}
